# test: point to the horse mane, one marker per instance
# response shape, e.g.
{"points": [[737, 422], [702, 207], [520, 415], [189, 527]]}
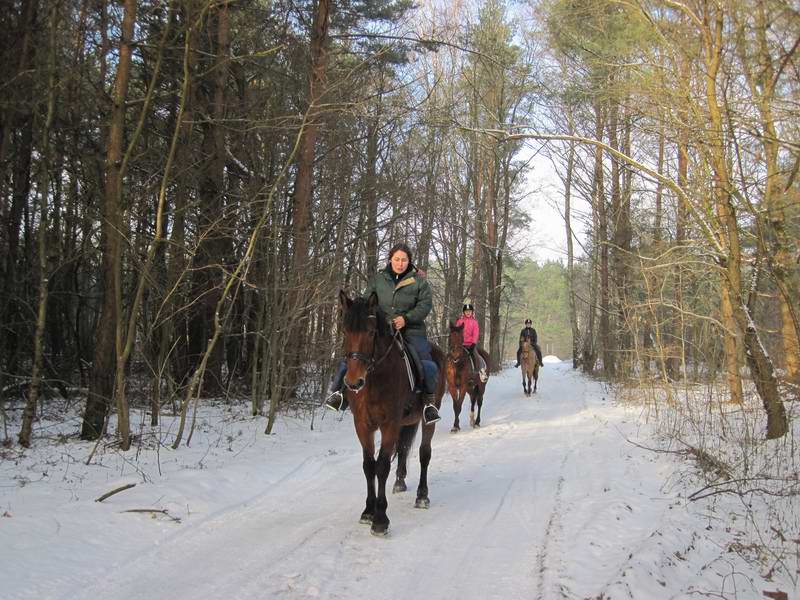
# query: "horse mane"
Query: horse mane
{"points": [[356, 318]]}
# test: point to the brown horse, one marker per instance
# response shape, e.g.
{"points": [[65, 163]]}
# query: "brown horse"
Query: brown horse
{"points": [[462, 378], [381, 398], [529, 365]]}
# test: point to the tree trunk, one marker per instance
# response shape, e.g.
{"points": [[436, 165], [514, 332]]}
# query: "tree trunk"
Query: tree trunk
{"points": [[370, 191], [602, 248], [101, 383], [44, 186], [213, 248], [573, 314], [730, 276], [735, 313], [761, 78], [17, 117], [302, 199]]}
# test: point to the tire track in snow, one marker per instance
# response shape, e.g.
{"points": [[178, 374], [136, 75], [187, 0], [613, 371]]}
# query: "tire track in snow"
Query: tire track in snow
{"points": [[553, 535]]}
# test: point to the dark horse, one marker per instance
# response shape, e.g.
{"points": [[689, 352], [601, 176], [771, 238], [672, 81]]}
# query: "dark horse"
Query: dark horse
{"points": [[529, 365], [381, 397], [463, 378]]}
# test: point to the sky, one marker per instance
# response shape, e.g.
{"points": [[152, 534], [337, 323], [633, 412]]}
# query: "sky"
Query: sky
{"points": [[544, 203], [556, 496]]}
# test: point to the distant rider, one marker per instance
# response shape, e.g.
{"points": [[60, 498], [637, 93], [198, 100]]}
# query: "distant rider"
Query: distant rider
{"points": [[471, 335], [529, 333]]}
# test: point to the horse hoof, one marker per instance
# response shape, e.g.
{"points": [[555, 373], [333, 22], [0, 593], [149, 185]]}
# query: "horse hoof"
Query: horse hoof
{"points": [[422, 503], [379, 530], [365, 519], [399, 486], [476, 426], [455, 430]]}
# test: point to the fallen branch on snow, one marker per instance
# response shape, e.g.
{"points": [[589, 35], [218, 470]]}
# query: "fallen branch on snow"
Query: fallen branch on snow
{"points": [[161, 511], [127, 486]]}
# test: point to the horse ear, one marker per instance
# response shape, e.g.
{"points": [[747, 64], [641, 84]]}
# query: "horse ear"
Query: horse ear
{"points": [[372, 303], [344, 300]]}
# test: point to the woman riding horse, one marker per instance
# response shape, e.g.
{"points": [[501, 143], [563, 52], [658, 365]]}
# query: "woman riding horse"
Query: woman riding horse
{"points": [[382, 399], [405, 296], [463, 378], [471, 334], [530, 368]]}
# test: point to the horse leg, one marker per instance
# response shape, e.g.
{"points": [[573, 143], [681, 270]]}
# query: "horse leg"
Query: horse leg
{"points": [[403, 448], [458, 401], [472, 398], [535, 381], [380, 522], [369, 473], [479, 402], [424, 460], [367, 440]]}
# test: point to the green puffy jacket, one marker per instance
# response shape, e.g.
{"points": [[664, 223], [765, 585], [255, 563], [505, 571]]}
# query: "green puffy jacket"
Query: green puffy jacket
{"points": [[411, 298]]}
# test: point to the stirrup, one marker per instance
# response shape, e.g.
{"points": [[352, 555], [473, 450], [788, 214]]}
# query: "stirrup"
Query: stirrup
{"points": [[432, 419], [336, 401]]}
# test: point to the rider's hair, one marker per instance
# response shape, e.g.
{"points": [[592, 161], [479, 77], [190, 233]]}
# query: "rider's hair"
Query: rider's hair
{"points": [[401, 246]]}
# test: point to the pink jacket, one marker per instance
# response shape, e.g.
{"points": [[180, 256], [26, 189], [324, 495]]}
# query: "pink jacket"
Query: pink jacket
{"points": [[471, 329]]}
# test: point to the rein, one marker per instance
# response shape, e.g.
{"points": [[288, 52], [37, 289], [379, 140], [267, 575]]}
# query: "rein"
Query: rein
{"points": [[459, 360], [370, 360]]}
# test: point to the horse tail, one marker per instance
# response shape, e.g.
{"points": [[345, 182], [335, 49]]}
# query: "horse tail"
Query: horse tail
{"points": [[406, 438], [440, 358], [487, 359]]}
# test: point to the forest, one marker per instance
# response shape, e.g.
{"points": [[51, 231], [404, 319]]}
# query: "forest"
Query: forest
{"points": [[185, 186]]}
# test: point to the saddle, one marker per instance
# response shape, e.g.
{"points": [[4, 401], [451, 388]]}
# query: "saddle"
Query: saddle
{"points": [[475, 359], [414, 368], [472, 361]]}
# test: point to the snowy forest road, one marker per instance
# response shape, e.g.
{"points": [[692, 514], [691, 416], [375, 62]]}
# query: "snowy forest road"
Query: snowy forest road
{"points": [[547, 500]]}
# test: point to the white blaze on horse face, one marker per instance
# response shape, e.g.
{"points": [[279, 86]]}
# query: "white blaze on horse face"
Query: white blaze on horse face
{"points": [[356, 375]]}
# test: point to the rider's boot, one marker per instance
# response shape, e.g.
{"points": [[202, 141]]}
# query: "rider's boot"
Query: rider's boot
{"points": [[336, 401], [430, 414]]}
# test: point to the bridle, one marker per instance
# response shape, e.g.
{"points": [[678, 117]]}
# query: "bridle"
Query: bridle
{"points": [[460, 359], [369, 360]]}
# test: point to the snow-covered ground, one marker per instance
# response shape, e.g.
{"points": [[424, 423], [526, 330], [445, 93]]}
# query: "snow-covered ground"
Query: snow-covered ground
{"points": [[556, 496]]}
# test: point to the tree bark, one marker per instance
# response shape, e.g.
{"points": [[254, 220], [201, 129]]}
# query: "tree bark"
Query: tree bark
{"points": [[44, 186], [602, 248], [101, 383], [213, 248], [573, 314]]}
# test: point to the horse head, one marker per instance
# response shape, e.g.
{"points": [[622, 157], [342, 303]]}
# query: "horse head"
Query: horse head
{"points": [[455, 343], [363, 323]]}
